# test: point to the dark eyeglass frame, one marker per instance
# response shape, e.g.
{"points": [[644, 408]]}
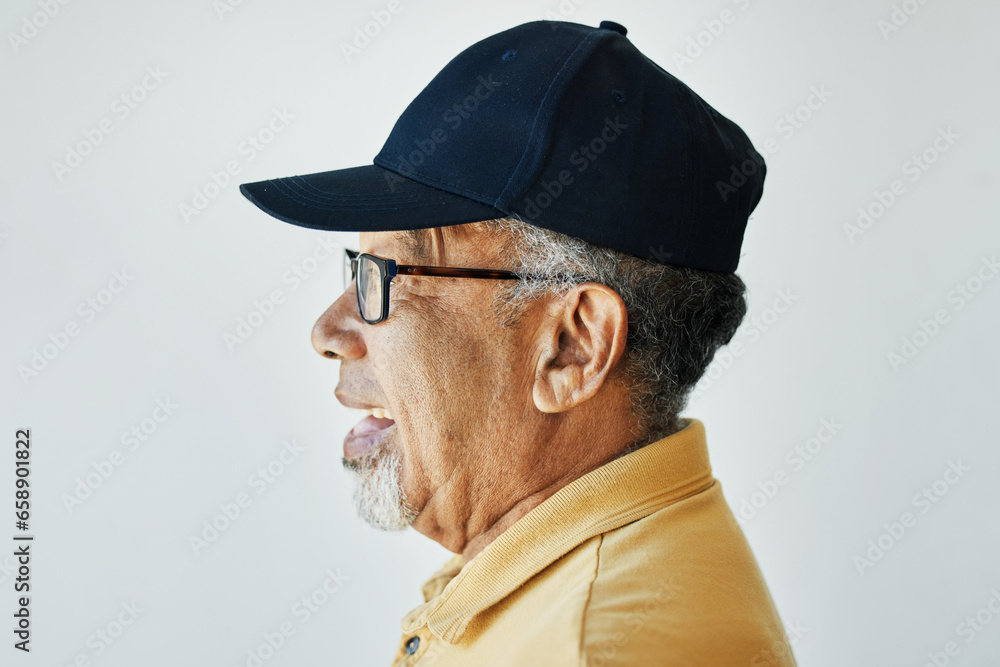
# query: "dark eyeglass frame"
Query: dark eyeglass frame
{"points": [[389, 269]]}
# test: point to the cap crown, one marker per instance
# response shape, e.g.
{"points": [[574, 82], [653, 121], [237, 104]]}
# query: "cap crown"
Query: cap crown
{"points": [[573, 129]]}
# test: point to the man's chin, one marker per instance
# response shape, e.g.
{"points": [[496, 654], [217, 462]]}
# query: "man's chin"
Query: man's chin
{"points": [[378, 491]]}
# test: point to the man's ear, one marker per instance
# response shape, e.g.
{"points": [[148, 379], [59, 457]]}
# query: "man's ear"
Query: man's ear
{"points": [[581, 340]]}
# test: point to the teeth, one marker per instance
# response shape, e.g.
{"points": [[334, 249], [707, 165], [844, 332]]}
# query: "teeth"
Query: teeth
{"points": [[378, 413]]}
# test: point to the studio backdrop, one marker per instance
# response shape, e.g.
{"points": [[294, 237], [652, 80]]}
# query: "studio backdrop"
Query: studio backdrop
{"points": [[176, 438]]}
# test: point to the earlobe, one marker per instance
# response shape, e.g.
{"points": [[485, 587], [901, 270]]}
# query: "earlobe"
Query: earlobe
{"points": [[582, 341]]}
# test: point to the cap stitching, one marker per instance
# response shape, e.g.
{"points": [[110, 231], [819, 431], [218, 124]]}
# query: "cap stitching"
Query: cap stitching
{"points": [[484, 199], [334, 204], [538, 113], [428, 180], [303, 189], [333, 196]]}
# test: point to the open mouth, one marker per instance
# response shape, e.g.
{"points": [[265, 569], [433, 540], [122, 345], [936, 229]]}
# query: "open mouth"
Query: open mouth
{"points": [[368, 433]]}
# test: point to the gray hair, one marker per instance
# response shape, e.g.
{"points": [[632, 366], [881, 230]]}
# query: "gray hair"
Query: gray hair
{"points": [[378, 492], [677, 317]]}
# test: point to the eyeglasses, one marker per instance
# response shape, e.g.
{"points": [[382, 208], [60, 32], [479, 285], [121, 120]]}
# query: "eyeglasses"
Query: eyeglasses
{"points": [[372, 276]]}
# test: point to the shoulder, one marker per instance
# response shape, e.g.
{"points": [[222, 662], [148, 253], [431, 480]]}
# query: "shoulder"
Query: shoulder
{"points": [[680, 586]]}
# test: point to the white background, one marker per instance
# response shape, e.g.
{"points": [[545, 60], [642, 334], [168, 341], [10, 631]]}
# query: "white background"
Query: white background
{"points": [[825, 356]]}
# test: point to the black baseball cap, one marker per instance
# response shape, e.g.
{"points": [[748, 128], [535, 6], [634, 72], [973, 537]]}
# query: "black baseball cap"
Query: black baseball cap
{"points": [[559, 125]]}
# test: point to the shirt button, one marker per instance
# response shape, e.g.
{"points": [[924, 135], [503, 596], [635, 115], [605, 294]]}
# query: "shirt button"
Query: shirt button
{"points": [[412, 645]]}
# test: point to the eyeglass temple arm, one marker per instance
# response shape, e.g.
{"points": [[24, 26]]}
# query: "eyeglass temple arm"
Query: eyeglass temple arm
{"points": [[444, 271], [454, 272]]}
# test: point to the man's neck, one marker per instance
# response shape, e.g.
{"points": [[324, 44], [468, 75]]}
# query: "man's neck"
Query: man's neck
{"points": [[478, 503], [475, 545]]}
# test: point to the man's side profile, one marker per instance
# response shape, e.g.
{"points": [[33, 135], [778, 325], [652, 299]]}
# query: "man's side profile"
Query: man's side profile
{"points": [[546, 266]]}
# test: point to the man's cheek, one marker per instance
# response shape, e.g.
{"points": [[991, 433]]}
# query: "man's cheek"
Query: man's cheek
{"points": [[391, 351]]}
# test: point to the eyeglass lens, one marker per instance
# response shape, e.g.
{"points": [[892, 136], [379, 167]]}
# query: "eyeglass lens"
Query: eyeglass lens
{"points": [[369, 289]]}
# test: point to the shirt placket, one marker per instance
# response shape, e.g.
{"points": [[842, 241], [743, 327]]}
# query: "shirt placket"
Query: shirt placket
{"points": [[417, 648]]}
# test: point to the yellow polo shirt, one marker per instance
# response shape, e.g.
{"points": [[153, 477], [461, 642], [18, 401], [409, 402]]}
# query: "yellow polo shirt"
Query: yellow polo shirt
{"points": [[640, 562]]}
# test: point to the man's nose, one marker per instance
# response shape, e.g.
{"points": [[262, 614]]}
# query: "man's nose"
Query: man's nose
{"points": [[337, 332]]}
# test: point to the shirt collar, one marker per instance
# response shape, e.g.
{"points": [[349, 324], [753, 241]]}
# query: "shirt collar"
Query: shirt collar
{"points": [[619, 492]]}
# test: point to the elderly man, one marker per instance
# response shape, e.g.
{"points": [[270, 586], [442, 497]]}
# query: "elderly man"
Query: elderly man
{"points": [[548, 242]]}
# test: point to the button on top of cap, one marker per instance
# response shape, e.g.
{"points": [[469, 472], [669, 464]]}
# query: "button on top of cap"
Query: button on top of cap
{"points": [[617, 27]]}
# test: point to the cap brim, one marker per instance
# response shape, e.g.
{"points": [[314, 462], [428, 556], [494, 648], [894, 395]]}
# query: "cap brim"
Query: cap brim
{"points": [[360, 199]]}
